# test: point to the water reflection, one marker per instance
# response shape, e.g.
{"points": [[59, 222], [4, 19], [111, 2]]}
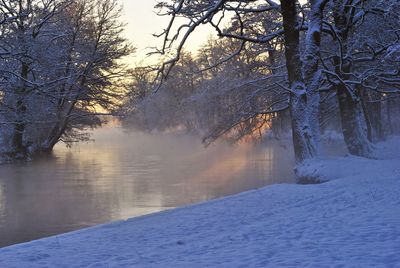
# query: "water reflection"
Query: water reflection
{"points": [[123, 175]]}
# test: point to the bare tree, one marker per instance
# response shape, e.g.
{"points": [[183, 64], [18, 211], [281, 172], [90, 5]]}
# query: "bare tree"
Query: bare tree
{"points": [[303, 76], [30, 19], [67, 55], [356, 69]]}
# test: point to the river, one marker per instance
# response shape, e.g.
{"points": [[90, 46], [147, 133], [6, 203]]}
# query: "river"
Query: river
{"points": [[126, 174]]}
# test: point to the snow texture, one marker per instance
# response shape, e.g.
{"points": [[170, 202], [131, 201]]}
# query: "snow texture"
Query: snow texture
{"points": [[350, 222], [393, 53]]}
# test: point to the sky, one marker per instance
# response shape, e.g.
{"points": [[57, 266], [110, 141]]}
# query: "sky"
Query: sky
{"points": [[142, 22]]}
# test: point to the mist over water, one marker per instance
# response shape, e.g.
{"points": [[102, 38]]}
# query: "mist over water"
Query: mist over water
{"points": [[122, 175]]}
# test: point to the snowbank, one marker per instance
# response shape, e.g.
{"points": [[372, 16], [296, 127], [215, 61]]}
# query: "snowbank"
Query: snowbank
{"points": [[332, 168], [351, 222]]}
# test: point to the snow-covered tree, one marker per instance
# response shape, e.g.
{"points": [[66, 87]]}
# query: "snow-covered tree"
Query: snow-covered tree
{"points": [[355, 66], [302, 66], [59, 65]]}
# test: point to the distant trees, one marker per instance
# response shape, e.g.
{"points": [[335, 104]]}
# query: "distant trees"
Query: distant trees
{"points": [[226, 100], [59, 65], [265, 23], [285, 55]]}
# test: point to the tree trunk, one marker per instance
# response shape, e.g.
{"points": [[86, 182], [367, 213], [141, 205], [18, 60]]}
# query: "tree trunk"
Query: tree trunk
{"points": [[364, 102], [303, 80], [372, 106], [354, 126], [304, 143], [389, 105], [311, 72], [377, 119], [18, 146]]}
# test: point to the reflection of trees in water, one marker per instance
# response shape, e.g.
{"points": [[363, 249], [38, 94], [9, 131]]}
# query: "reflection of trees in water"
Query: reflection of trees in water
{"points": [[123, 175], [48, 197]]}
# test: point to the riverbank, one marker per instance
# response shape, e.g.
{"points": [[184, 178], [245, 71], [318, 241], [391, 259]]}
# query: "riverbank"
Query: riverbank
{"points": [[353, 221], [128, 174]]}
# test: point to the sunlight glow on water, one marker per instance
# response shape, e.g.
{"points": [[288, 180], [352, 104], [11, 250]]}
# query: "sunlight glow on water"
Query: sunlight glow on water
{"points": [[123, 175]]}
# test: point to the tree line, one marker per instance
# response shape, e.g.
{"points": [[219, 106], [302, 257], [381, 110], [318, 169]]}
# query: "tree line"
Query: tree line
{"points": [[286, 66], [278, 61]]}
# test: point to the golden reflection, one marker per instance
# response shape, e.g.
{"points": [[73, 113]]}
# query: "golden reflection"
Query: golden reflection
{"points": [[228, 164], [123, 175]]}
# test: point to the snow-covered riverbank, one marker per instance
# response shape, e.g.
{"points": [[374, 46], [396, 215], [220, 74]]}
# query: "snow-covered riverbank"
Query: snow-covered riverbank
{"points": [[350, 222]]}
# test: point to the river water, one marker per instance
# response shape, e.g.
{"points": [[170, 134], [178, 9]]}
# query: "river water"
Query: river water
{"points": [[123, 175]]}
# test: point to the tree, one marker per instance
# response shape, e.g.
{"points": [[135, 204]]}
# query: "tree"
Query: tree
{"points": [[21, 32], [67, 55], [357, 71], [303, 76]]}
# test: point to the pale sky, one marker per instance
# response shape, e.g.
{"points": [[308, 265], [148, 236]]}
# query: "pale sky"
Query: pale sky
{"points": [[143, 22]]}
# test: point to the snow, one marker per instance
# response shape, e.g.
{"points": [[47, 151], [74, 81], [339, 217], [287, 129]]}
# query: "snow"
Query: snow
{"points": [[351, 221], [393, 53], [332, 168]]}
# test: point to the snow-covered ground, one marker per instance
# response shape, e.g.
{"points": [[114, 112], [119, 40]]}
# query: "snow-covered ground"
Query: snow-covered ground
{"points": [[353, 221]]}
